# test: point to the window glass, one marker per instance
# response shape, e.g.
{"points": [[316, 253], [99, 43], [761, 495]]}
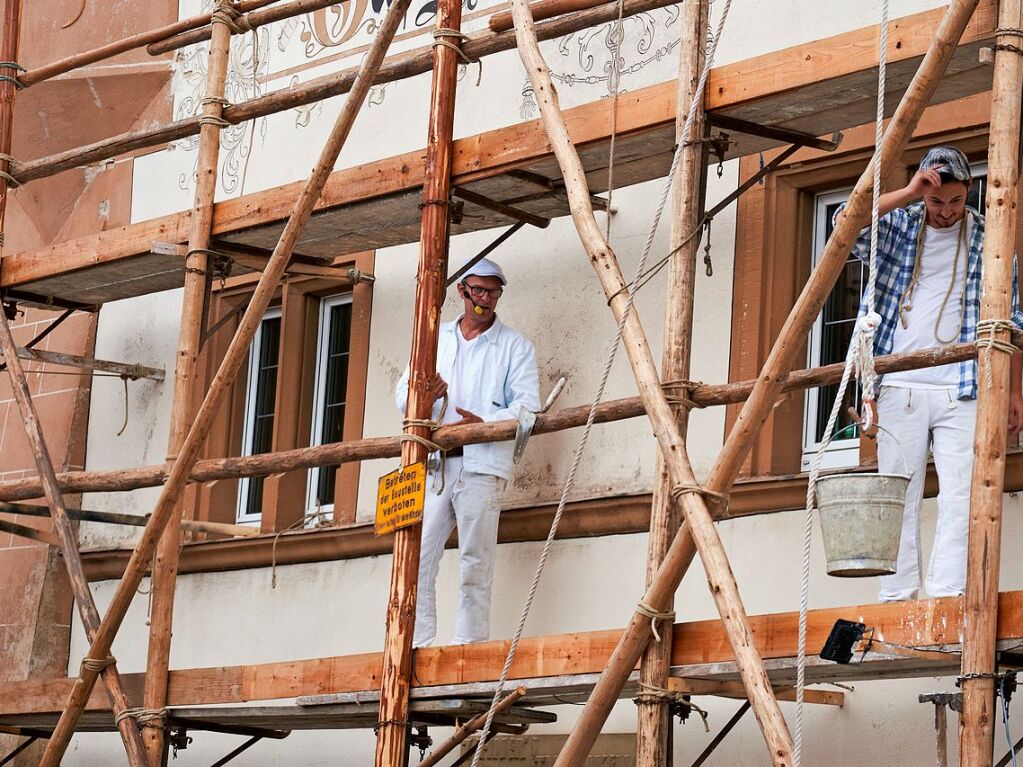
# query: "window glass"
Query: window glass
{"points": [[260, 395], [331, 392]]}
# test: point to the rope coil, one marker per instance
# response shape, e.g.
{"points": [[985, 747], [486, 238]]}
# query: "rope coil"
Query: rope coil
{"points": [[654, 615], [219, 122], [230, 17], [97, 664], [14, 65], [652, 694], [679, 490], [986, 340], [144, 717], [439, 38], [685, 388]]}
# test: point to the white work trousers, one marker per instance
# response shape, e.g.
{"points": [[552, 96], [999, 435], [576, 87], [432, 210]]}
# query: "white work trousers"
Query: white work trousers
{"points": [[472, 502], [922, 420]]}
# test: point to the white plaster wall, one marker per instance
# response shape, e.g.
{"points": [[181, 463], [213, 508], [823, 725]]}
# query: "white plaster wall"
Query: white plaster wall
{"points": [[337, 608]]}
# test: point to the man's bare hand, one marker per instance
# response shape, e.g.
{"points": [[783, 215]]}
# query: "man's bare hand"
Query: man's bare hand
{"points": [[467, 417], [923, 181], [1015, 415], [438, 388]]}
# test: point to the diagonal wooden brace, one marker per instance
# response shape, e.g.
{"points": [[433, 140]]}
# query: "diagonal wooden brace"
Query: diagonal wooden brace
{"points": [[772, 377], [669, 436], [229, 367]]}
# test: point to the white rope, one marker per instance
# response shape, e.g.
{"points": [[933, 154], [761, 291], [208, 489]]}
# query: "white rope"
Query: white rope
{"points": [[859, 357], [696, 104]]}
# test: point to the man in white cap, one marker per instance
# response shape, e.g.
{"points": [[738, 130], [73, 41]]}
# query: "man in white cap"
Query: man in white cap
{"points": [[930, 250], [485, 372]]}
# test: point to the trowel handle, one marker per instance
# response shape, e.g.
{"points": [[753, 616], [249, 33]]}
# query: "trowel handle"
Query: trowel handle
{"points": [[555, 392]]}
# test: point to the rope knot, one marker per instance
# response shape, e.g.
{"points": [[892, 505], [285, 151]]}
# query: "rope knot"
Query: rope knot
{"points": [[869, 322], [144, 717], [986, 340], [654, 615]]}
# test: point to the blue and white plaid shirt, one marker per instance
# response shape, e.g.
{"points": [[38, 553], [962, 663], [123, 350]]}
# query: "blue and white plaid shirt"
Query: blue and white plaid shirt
{"points": [[896, 257]]}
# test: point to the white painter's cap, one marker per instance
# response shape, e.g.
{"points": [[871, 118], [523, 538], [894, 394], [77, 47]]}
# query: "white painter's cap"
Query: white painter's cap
{"points": [[486, 268]]}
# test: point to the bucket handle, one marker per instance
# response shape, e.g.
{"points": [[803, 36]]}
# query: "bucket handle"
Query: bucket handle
{"points": [[902, 453]]}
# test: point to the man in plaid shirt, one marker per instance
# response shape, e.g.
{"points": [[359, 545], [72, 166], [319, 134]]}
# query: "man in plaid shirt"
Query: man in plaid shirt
{"points": [[929, 260]]}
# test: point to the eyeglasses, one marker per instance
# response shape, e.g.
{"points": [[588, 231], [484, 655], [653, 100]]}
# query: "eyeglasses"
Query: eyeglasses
{"points": [[478, 291]]}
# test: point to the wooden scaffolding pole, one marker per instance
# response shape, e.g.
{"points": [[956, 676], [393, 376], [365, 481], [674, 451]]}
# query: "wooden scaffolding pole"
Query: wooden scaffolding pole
{"points": [[190, 332], [222, 381], [694, 506], [653, 715], [765, 392], [62, 66], [980, 712], [396, 676], [9, 47]]}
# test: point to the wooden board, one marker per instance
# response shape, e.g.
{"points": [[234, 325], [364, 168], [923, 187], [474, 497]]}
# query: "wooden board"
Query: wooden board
{"points": [[340, 716], [700, 649], [815, 88]]}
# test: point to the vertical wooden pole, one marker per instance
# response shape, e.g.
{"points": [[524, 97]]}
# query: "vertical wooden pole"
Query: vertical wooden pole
{"points": [[165, 564], [396, 676], [790, 340], [984, 550], [653, 716], [236, 354]]}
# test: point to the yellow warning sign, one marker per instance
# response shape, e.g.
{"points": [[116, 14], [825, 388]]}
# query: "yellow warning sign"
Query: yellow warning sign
{"points": [[401, 495]]}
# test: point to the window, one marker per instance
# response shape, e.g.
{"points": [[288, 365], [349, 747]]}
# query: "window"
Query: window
{"points": [[832, 332], [261, 392], [305, 384], [330, 395]]}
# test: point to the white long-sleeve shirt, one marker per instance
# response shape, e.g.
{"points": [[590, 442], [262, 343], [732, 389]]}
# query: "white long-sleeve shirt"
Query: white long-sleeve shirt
{"points": [[498, 378]]}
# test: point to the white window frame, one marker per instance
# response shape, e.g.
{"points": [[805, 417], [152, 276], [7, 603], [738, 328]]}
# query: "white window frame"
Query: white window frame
{"points": [[249, 418], [319, 385], [841, 452]]}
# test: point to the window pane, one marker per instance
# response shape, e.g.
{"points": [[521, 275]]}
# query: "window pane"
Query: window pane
{"points": [[263, 397], [336, 348]]}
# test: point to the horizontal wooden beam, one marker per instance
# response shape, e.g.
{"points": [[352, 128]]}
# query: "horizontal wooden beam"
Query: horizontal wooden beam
{"points": [[132, 372], [731, 86], [583, 519], [455, 436], [130, 520], [933, 623]]}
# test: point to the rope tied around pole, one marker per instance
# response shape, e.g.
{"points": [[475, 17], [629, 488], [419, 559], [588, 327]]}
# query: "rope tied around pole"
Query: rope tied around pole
{"points": [[207, 100], [684, 389], [97, 664], [986, 340], [653, 695], [679, 490], [231, 17], [219, 122], [439, 36], [144, 717], [654, 615]]}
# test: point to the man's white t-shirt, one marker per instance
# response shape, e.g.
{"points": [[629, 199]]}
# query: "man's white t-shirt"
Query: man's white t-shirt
{"points": [[457, 382], [937, 260]]}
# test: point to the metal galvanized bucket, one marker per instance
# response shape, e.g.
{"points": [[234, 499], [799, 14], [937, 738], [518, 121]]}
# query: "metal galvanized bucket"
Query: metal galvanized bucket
{"points": [[861, 521]]}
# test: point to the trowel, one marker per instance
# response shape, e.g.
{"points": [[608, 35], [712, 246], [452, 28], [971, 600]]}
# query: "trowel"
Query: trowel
{"points": [[527, 419]]}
